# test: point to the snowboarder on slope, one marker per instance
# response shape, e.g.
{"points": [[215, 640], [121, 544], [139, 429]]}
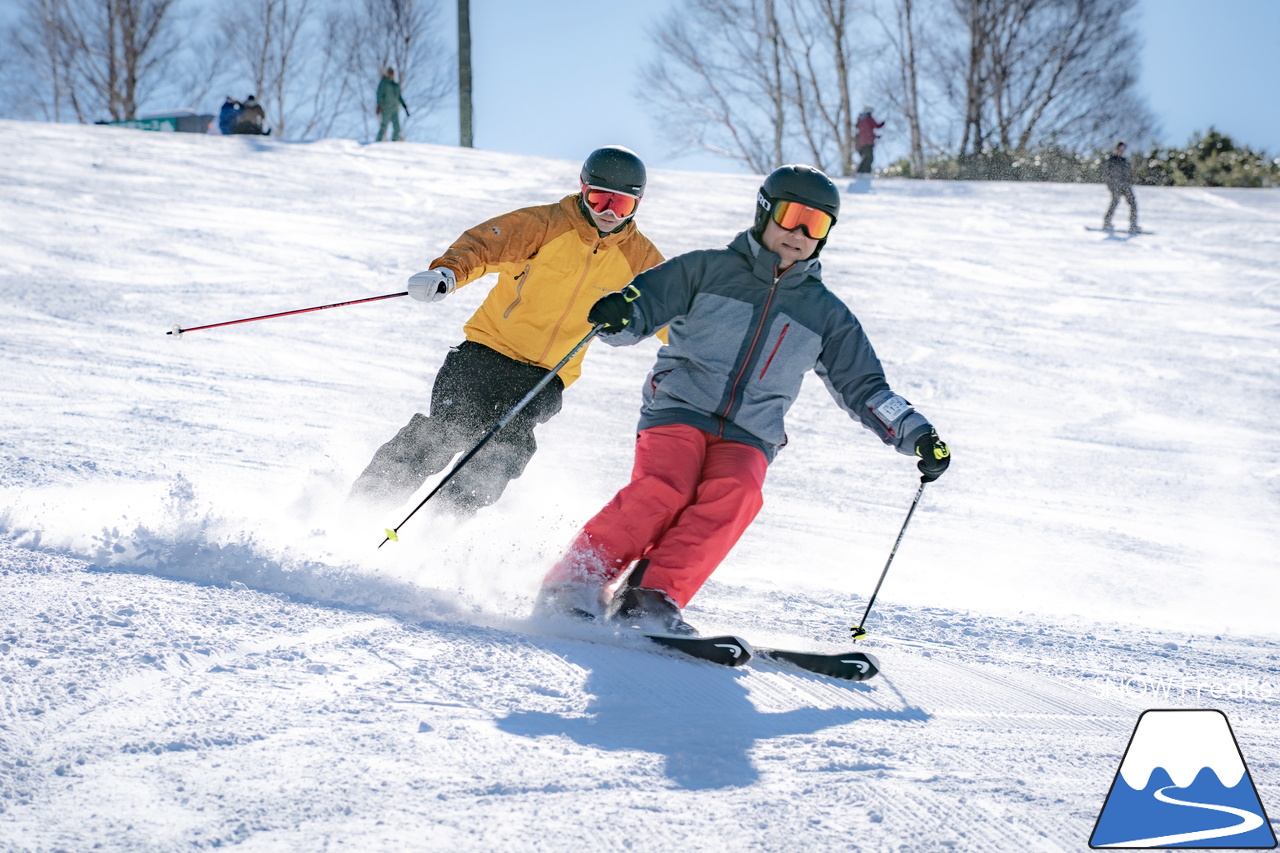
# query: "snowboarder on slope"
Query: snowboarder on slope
{"points": [[553, 262], [1119, 179], [747, 322]]}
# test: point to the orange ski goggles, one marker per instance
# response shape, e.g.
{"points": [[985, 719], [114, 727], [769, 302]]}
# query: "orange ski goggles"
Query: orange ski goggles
{"points": [[600, 200], [791, 215]]}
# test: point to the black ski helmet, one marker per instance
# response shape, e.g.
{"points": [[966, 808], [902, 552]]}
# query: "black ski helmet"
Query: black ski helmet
{"points": [[615, 168], [804, 184]]}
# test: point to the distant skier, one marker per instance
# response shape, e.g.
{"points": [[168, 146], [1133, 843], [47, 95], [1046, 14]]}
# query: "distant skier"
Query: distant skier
{"points": [[552, 262], [228, 115], [389, 104], [747, 322], [867, 136], [1119, 179]]}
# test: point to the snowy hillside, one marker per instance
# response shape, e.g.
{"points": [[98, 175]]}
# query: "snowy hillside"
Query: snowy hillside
{"points": [[201, 646]]}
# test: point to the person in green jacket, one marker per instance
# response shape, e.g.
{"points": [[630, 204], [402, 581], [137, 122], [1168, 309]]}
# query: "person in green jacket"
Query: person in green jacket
{"points": [[389, 104]]}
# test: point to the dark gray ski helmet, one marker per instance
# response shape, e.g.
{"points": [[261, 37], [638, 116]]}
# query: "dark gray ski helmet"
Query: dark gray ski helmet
{"points": [[796, 182], [615, 168]]}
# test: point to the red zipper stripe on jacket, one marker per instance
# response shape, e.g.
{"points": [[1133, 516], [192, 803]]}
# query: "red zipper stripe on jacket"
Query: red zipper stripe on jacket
{"points": [[764, 315], [769, 360]]}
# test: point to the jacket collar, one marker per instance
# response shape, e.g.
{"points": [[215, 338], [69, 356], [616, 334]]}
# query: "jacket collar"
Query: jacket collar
{"points": [[763, 262], [587, 230]]}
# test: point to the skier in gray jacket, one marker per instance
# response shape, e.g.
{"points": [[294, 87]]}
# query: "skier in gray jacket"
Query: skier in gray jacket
{"points": [[746, 323]]}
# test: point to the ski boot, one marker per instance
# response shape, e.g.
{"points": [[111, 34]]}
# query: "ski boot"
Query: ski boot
{"points": [[651, 610]]}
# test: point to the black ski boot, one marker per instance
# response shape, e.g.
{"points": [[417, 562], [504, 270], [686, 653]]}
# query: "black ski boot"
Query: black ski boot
{"points": [[653, 611]]}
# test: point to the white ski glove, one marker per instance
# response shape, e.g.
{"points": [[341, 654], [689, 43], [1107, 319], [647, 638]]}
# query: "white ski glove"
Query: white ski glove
{"points": [[432, 285]]}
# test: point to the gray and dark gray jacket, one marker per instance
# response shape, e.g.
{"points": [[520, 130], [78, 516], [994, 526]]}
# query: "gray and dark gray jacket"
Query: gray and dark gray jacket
{"points": [[741, 341], [1116, 173]]}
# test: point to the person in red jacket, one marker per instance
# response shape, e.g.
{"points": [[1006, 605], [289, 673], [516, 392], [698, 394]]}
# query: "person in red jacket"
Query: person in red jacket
{"points": [[867, 136]]}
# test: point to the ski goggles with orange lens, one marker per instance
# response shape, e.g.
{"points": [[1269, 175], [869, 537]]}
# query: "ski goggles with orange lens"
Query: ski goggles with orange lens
{"points": [[601, 200], [791, 215]]}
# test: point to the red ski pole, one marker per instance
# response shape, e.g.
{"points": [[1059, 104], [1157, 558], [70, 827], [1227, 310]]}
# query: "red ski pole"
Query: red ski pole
{"points": [[177, 331]]}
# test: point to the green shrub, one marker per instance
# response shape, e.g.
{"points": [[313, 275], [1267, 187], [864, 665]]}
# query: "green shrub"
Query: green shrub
{"points": [[1211, 160]]}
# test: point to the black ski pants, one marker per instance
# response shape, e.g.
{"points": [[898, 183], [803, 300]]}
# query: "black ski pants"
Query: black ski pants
{"points": [[475, 388], [866, 153], [1125, 193]]}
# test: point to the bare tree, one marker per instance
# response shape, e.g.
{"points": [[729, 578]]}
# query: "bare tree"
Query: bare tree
{"points": [[762, 82], [820, 64], [116, 46], [719, 82], [40, 60], [314, 66], [267, 39], [97, 56], [900, 27], [401, 34], [1043, 69]]}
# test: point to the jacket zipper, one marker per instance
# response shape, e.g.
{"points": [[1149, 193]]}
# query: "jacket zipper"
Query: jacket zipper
{"points": [[764, 315], [769, 361], [569, 305], [520, 280]]}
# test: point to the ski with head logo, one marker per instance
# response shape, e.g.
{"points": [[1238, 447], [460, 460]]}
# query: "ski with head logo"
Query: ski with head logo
{"points": [[734, 651], [850, 666], [726, 650]]}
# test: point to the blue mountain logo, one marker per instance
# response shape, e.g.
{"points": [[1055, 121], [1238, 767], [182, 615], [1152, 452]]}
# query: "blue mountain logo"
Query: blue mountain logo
{"points": [[1183, 783]]}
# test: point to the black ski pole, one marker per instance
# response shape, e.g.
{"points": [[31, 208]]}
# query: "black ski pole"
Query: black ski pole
{"points": [[858, 632], [533, 392], [178, 331]]}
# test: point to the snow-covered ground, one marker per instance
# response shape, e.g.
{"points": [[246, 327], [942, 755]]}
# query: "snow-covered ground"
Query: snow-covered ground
{"points": [[201, 646]]}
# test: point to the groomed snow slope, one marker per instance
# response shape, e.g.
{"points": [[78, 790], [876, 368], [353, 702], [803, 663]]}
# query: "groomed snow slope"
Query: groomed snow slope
{"points": [[201, 646]]}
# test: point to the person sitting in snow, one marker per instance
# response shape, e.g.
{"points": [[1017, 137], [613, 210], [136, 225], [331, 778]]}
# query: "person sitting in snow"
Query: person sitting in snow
{"points": [[251, 118], [1119, 180], [551, 262], [228, 115], [747, 322]]}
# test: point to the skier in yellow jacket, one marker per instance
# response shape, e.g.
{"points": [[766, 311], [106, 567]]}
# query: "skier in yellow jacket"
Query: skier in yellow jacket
{"points": [[553, 263]]}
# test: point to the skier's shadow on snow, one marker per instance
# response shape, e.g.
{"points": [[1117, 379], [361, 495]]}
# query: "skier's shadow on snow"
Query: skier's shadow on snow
{"points": [[696, 715]]}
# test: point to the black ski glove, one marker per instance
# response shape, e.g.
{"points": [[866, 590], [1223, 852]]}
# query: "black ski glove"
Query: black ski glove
{"points": [[614, 310], [934, 456]]}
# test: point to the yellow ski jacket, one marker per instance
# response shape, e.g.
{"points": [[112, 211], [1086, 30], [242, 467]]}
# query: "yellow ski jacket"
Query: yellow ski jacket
{"points": [[552, 266]]}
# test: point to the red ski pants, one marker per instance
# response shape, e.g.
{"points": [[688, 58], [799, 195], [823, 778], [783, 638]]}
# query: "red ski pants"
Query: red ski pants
{"points": [[691, 496]]}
